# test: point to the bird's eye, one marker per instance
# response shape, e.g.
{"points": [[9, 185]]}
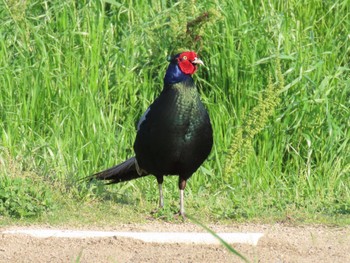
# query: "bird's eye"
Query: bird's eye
{"points": [[184, 58]]}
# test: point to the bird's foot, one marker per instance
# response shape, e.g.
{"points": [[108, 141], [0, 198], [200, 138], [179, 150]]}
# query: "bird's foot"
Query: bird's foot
{"points": [[180, 215], [155, 214], [155, 211]]}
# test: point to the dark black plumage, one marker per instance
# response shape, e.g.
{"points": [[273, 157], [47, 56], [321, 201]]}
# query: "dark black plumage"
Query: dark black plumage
{"points": [[174, 135]]}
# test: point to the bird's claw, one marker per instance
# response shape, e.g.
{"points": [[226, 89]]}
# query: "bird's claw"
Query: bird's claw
{"points": [[179, 214], [155, 211]]}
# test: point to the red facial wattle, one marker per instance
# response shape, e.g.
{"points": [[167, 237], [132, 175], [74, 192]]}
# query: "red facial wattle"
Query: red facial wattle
{"points": [[185, 62]]}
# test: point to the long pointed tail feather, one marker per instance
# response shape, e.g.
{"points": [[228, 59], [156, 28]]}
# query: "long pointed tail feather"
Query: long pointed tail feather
{"points": [[125, 171]]}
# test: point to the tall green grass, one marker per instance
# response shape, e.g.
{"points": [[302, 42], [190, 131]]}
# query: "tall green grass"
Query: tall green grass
{"points": [[76, 76]]}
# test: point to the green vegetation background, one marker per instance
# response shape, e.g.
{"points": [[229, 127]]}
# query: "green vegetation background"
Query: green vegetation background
{"points": [[75, 76]]}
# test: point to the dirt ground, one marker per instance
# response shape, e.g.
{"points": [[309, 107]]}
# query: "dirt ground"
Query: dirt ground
{"points": [[280, 243]]}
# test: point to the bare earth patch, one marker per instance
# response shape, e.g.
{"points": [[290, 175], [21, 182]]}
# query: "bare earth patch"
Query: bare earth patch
{"points": [[280, 243]]}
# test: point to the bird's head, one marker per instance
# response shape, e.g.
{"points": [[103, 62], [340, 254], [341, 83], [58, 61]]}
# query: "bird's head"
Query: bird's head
{"points": [[187, 62], [181, 67]]}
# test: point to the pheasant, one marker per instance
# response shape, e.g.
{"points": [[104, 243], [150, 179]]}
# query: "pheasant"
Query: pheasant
{"points": [[174, 135]]}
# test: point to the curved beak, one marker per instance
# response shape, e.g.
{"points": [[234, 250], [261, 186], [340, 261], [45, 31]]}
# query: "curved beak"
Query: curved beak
{"points": [[197, 61]]}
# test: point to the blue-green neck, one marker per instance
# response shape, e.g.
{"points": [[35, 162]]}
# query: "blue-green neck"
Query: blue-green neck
{"points": [[175, 75]]}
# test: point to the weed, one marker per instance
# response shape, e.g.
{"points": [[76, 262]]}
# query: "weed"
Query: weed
{"points": [[75, 77]]}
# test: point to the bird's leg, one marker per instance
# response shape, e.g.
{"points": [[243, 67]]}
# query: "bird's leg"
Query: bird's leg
{"points": [[182, 185], [160, 187], [182, 208], [161, 198]]}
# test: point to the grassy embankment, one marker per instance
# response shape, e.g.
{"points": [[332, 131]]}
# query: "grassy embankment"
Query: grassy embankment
{"points": [[75, 77]]}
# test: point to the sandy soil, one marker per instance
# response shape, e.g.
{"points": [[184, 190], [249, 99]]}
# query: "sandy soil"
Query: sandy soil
{"points": [[280, 243]]}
